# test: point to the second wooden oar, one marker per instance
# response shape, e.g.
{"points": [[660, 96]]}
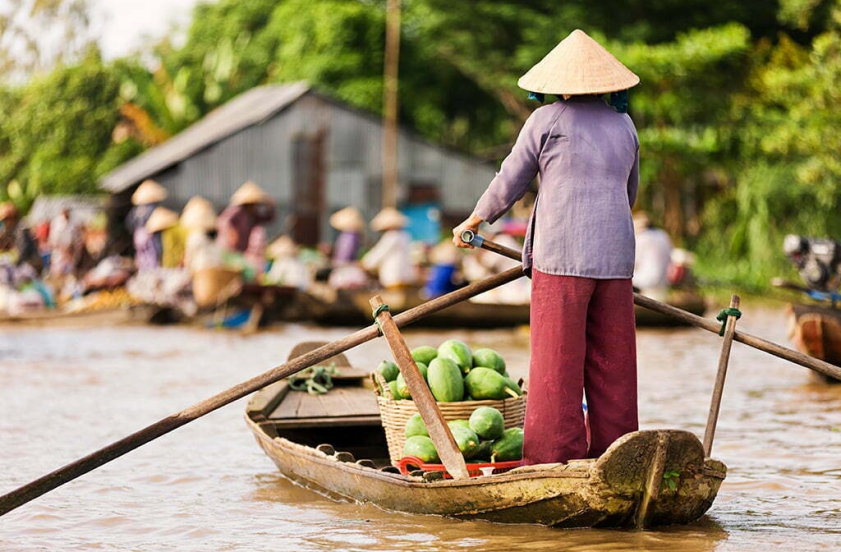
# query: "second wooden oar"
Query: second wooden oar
{"points": [[764, 345], [75, 469], [428, 409]]}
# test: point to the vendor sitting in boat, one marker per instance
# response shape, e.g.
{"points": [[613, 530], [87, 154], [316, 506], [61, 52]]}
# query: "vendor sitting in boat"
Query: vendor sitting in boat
{"points": [[286, 269], [391, 256], [345, 272], [147, 247], [199, 222], [653, 258]]}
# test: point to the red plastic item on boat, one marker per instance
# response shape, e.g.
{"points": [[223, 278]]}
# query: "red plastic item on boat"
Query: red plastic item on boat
{"points": [[474, 469]]}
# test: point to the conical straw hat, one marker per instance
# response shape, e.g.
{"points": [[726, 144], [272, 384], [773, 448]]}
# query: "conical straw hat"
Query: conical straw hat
{"points": [[148, 192], [388, 219], [284, 246], [198, 214], [578, 65], [348, 219], [250, 193], [161, 219]]}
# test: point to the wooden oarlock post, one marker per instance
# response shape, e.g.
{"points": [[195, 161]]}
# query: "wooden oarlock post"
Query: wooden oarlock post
{"points": [[723, 360], [428, 409]]}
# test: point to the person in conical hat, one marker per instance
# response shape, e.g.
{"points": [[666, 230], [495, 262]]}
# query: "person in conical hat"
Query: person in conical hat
{"points": [[579, 249], [250, 208], [391, 255], [350, 224], [147, 246], [164, 222], [287, 269], [198, 218]]}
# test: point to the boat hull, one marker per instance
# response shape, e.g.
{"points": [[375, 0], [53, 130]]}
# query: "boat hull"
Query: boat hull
{"points": [[606, 492], [816, 331]]}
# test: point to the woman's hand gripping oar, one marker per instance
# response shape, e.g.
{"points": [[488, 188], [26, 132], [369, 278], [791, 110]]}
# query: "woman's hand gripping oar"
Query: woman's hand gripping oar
{"points": [[75, 469], [764, 345]]}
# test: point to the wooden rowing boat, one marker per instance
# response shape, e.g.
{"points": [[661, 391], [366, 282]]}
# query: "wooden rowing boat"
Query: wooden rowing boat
{"points": [[335, 444], [816, 331]]}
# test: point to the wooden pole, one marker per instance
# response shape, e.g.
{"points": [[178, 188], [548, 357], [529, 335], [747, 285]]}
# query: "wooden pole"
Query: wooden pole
{"points": [[764, 345], [723, 360], [77, 468], [428, 409], [391, 103]]}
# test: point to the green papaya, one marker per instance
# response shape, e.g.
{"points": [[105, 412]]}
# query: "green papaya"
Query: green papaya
{"points": [[402, 388], [489, 358], [445, 381], [424, 354], [458, 423], [395, 392], [487, 422], [423, 369], [512, 385], [388, 370], [483, 451], [458, 352], [415, 426], [484, 383], [467, 440], [509, 446], [422, 447]]}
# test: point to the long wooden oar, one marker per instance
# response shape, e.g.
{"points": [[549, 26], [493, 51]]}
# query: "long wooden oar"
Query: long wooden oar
{"points": [[764, 345], [75, 469]]}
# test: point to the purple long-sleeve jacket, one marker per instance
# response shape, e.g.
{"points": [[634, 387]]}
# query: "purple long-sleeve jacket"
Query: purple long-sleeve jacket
{"points": [[587, 156]]}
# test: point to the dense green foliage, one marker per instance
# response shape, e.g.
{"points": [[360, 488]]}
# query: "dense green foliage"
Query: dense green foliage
{"points": [[736, 110]]}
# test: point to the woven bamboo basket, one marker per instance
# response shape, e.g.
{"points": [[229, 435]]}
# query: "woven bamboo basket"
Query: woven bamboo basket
{"points": [[395, 413], [215, 285]]}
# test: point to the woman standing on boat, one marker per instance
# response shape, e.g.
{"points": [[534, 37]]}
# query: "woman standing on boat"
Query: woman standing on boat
{"points": [[579, 249]]}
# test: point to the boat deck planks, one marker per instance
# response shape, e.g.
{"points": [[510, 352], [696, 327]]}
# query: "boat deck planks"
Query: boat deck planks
{"points": [[340, 402]]}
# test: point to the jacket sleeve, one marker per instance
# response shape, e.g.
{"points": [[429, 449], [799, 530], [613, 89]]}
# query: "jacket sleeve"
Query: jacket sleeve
{"points": [[516, 173]]}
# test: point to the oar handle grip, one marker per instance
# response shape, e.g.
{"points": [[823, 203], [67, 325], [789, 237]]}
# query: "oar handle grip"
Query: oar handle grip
{"points": [[474, 239], [471, 237]]}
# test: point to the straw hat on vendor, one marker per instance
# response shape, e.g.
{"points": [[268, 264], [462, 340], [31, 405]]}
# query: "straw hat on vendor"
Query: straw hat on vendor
{"points": [[148, 192], [348, 219], [578, 65], [389, 219], [198, 215], [161, 219], [282, 247], [241, 222], [250, 193], [579, 249]]}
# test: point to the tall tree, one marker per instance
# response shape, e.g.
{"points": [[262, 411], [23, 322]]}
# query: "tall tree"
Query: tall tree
{"points": [[37, 35]]}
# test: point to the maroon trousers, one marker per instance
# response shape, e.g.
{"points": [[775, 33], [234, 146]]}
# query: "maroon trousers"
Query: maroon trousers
{"points": [[583, 342]]}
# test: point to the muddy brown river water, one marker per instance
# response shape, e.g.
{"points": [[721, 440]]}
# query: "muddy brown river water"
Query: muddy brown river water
{"points": [[65, 392]]}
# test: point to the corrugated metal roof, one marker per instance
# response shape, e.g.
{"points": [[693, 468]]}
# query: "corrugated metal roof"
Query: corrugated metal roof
{"points": [[247, 109]]}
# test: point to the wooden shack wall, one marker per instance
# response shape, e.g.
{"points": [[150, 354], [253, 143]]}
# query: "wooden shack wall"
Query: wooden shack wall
{"points": [[353, 167]]}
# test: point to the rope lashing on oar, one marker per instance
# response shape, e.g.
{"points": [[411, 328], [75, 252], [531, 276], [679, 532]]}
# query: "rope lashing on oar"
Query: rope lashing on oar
{"points": [[376, 313], [722, 317]]}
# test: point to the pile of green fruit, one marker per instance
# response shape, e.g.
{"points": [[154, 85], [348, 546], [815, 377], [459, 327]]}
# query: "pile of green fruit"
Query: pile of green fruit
{"points": [[483, 438], [455, 373]]}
